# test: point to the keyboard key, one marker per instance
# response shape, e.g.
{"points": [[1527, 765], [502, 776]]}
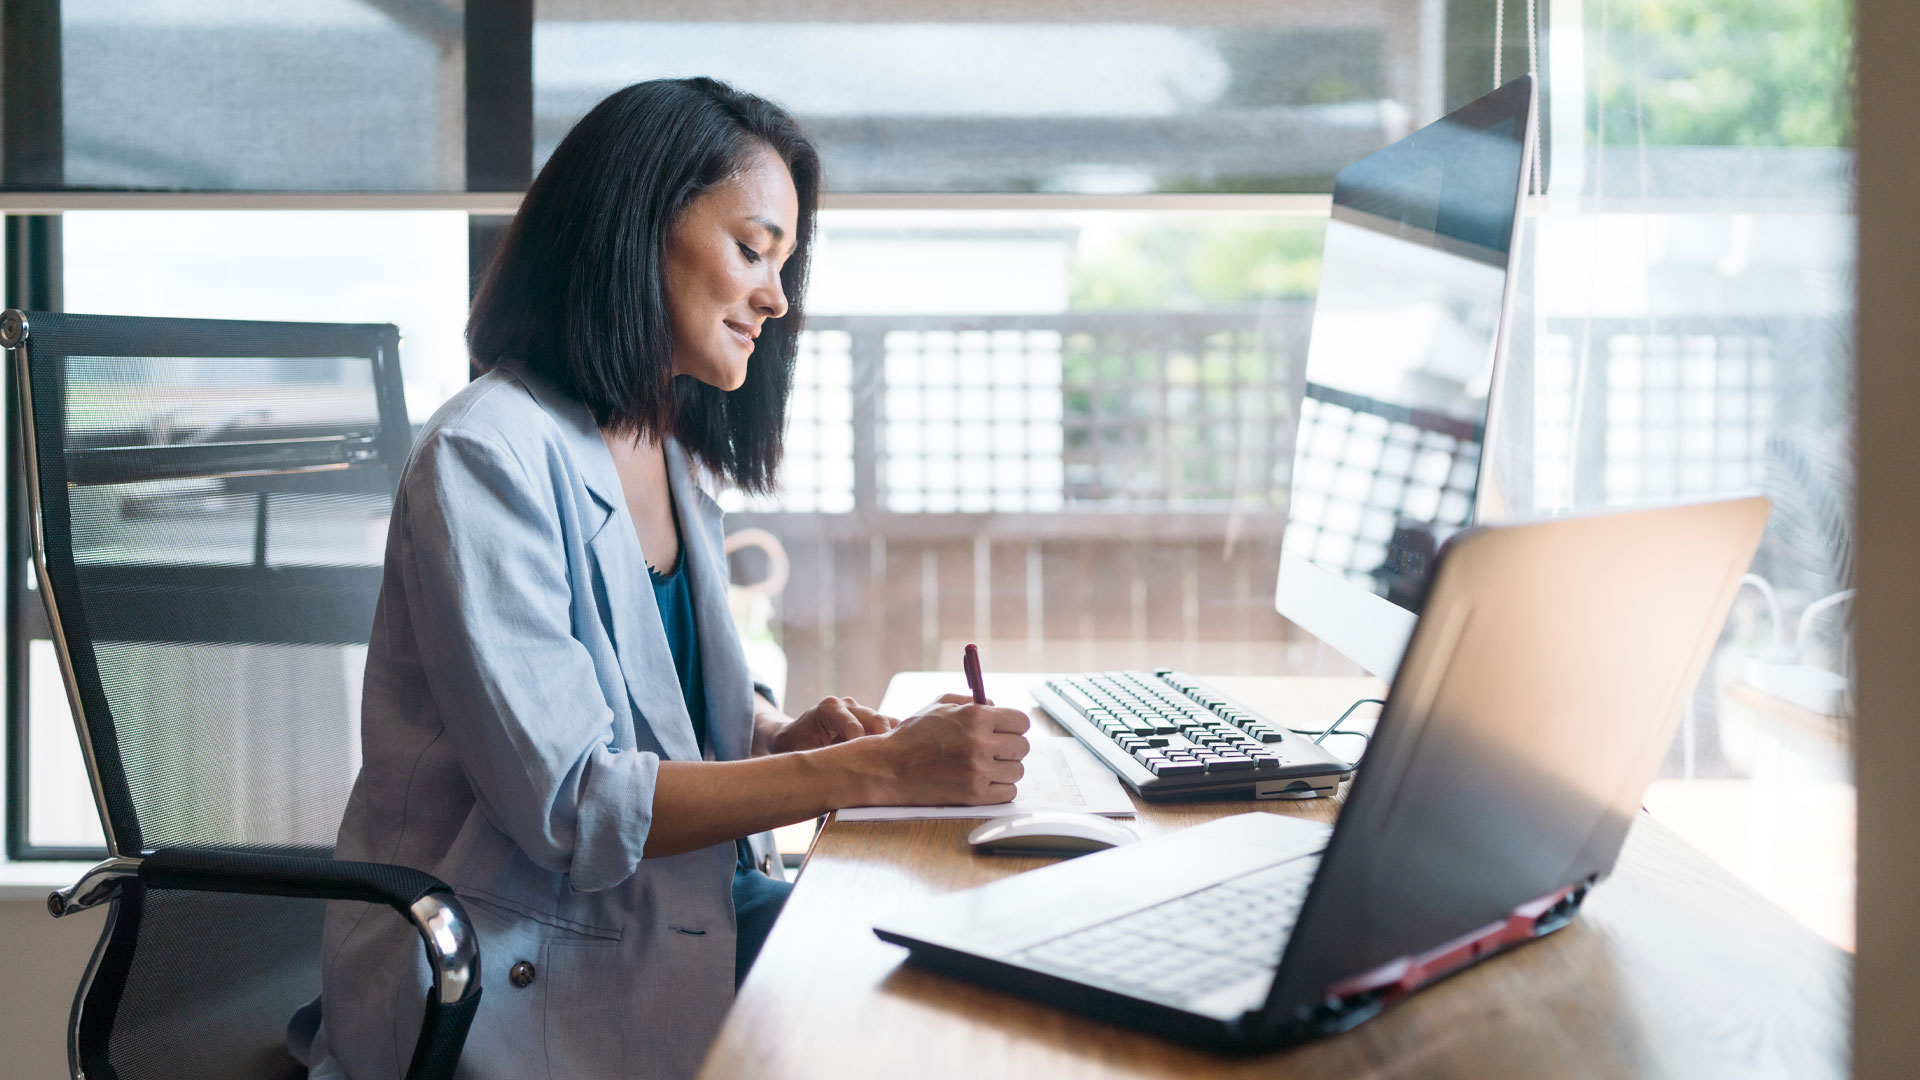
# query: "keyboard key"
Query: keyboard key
{"points": [[1170, 768], [1074, 695], [1225, 764]]}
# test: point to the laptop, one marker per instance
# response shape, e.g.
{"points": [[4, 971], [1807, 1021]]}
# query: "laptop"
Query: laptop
{"points": [[1537, 697]]}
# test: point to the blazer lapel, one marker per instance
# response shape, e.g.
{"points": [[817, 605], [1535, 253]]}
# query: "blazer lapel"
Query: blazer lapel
{"points": [[723, 665], [639, 637]]}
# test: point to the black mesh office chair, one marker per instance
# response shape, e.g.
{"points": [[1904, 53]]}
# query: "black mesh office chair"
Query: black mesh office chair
{"points": [[208, 502]]}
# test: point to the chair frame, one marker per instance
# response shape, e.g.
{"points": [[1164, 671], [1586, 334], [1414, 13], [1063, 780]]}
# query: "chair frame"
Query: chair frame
{"points": [[120, 881]]}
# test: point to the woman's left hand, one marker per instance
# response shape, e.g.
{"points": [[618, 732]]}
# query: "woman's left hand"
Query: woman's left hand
{"points": [[834, 720]]}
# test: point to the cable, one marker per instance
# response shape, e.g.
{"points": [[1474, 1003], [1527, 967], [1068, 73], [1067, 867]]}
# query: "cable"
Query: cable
{"points": [[1499, 41], [1333, 728], [1535, 184]]}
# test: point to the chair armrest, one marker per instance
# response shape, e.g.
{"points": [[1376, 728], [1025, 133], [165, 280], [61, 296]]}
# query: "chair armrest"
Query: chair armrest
{"points": [[397, 887], [453, 951]]}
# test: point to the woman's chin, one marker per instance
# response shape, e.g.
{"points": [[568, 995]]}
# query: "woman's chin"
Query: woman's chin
{"points": [[719, 378]]}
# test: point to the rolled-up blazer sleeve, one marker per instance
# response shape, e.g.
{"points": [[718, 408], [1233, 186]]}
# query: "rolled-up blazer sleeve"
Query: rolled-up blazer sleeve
{"points": [[515, 688]]}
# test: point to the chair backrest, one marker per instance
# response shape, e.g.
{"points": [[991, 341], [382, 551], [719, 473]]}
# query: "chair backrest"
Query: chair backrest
{"points": [[211, 503], [213, 500]]}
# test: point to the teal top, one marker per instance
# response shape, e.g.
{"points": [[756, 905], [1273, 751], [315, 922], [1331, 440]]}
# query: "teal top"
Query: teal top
{"points": [[671, 593]]}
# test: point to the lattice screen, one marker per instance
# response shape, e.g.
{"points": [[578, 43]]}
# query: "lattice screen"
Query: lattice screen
{"points": [[973, 421], [1683, 414], [1687, 415], [1037, 414], [1175, 418], [817, 473]]}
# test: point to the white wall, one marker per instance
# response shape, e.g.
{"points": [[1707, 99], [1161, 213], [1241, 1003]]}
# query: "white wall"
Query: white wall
{"points": [[43, 959]]}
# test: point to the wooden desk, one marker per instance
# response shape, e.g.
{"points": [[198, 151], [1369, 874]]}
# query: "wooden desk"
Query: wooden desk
{"points": [[1674, 969]]}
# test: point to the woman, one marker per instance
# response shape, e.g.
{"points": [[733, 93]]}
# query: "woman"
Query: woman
{"points": [[557, 718]]}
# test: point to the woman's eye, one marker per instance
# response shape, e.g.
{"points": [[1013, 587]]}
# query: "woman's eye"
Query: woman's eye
{"points": [[751, 255]]}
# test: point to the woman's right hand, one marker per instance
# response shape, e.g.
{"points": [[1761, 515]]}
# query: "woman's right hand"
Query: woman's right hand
{"points": [[951, 753]]}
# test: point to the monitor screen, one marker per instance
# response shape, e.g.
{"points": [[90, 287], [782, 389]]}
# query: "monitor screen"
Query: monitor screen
{"points": [[1413, 287]]}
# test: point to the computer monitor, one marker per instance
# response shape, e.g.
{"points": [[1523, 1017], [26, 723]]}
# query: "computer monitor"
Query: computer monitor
{"points": [[1409, 331]]}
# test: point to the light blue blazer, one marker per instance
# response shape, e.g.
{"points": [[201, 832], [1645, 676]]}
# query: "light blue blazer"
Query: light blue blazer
{"points": [[519, 698]]}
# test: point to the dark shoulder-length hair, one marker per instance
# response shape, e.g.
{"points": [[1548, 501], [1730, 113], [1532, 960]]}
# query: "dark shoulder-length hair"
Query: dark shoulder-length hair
{"points": [[576, 291]]}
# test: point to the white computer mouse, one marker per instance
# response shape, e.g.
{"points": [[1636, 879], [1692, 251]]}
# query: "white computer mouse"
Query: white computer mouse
{"points": [[1049, 832]]}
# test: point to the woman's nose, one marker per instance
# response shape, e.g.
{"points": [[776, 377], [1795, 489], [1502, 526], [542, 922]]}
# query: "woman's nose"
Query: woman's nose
{"points": [[770, 298]]}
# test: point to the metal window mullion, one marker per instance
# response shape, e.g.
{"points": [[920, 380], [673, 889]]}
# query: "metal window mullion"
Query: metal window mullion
{"points": [[499, 121], [34, 117], [499, 95]]}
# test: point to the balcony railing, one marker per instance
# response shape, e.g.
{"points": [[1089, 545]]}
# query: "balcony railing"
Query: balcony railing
{"points": [[1098, 490]]}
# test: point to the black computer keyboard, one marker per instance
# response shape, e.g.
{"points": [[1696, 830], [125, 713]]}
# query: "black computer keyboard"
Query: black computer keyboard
{"points": [[1190, 946], [1165, 733]]}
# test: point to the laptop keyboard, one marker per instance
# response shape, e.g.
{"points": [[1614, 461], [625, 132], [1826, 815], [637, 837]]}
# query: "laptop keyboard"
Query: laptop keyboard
{"points": [[1173, 724], [1190, 946]]}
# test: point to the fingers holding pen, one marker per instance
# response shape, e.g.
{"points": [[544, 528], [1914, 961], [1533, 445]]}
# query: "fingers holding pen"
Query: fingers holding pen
{"points": [[993, 781], [956, 699], [999, 750], [955, 751], [992, 794], [995, 734], [1004, 747], [1008, 721]]}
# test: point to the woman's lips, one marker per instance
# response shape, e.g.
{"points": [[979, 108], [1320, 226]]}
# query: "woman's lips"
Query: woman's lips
{"points": [[737, 331]]}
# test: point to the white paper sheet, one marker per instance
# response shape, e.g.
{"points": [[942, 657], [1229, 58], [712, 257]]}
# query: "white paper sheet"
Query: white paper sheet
{"points": [[1061, 775]]}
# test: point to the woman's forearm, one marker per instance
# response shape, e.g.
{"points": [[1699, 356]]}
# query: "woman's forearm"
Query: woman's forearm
{"points": [[951, 752], [698, 803]]}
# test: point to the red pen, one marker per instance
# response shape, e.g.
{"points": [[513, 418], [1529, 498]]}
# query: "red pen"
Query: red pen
{"points": [[972, 665]]}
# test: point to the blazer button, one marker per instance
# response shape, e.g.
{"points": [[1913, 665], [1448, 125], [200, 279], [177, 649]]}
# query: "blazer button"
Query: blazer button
{"points": [[521, 974]]}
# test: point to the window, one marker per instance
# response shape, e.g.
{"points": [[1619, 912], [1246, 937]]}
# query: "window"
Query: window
{"points": [[250, 95], [927, 95], [1692, 337], [1060, 300], [1054, 429], [403, 267]]}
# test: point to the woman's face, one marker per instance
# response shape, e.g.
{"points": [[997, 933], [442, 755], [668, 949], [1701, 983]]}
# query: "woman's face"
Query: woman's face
{"points": [[723, 269]]}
